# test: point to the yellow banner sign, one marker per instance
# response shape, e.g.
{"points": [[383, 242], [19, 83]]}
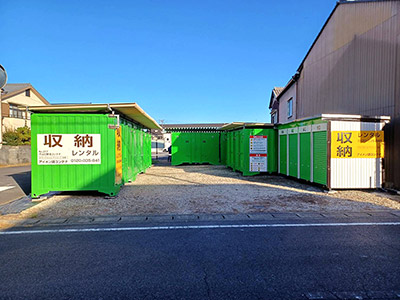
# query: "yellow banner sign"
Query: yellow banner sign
{"points": [[357, 144], [118, 156]]}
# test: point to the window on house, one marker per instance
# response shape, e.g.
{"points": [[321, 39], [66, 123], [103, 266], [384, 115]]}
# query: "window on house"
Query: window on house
{"points": [[290, 108], [15, 112], [28, 93]]}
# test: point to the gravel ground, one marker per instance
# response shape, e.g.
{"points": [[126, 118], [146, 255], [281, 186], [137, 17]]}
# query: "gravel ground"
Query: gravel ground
{"points": [[211, 189]]}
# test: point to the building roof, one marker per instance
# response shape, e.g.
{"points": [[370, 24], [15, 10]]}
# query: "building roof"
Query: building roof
{"points": [[130, 110], [240, 125], [275, 93], [277, 90], [199, 126], [12, 89]]}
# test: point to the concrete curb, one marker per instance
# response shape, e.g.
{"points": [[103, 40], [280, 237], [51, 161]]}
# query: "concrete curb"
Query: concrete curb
{"points": [[250, 217]]}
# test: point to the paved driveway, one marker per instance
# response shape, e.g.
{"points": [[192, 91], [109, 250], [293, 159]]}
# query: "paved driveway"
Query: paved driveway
{"points": [[15, 182]]}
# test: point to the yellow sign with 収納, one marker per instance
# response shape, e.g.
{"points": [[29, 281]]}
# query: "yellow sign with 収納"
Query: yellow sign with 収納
{"points": [[357, 144], [118, 156]]}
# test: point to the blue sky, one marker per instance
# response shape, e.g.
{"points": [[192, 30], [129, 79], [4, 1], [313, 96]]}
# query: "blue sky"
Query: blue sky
{"points": [[181, 61]]}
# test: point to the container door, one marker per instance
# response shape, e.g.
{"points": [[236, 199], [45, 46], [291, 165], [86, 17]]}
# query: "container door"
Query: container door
{"points": [[305, 152], [293, 151], [283, 151], [237, 151], [177, 148], [319, 156]]}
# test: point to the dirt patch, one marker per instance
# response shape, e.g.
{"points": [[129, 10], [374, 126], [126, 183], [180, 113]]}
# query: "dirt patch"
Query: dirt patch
{"points": [[211, 189]]}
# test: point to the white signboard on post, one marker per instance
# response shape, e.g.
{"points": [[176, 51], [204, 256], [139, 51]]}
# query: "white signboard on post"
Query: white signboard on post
{"points": [[258, 153], [68, 149]]}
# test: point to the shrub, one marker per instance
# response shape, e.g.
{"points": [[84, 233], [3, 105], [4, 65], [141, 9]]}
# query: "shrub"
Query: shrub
{"points": [[19, 136], [25, 135]]}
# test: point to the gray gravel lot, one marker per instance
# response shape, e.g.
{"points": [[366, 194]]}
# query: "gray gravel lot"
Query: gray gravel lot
{"points": [[211, 189]]}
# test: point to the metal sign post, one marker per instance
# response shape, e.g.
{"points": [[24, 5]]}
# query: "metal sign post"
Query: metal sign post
{"points": [[3, 82]]}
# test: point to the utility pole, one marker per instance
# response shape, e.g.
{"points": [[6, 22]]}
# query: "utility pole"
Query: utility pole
{"points": [[3, 82]]}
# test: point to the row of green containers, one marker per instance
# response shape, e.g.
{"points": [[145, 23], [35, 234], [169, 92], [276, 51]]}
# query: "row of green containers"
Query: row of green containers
{"points": [[136, 150], [88, 147], [230, 146], [337, 151], [302, 150], [239, 154]]}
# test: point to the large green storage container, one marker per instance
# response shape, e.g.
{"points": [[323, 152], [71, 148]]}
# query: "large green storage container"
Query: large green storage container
{"points": [[337, 151], [242, 156], [95, 147], [303, 150], [195, 147]]}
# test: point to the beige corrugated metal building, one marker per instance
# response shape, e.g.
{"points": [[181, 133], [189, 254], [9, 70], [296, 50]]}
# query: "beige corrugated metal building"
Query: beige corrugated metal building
{"points": [[353, 67]]}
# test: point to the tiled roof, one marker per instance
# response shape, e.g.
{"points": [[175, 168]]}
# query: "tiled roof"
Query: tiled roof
{"points": [[13, 87], [277, 90]]}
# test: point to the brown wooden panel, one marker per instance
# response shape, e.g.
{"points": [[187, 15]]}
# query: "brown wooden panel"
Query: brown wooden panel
{"points": [[5, 109]]}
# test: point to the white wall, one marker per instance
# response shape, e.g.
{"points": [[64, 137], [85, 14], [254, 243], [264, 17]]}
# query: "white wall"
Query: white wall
{"points": [[20, 99], [13, 123]]}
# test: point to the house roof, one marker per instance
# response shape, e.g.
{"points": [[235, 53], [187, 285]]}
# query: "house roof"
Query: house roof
{"points": [[131, 110], [12, 89], [277, 90], [275, 93]]}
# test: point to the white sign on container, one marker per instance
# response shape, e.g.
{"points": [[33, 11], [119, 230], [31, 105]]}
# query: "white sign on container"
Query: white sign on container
{"points": [[258, 153], [68, 149], [258, 162], [258, 144]]}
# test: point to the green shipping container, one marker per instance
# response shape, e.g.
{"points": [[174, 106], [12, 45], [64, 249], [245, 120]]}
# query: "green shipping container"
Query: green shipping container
{"points": [[252, 148], [93, 147], [303, 150], [195, 147]]}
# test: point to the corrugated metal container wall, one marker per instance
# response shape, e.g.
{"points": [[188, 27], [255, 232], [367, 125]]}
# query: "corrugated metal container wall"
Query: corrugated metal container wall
{"points": [[354, 68], [97, 177], [195, 147], [240, 158], [94, 177], [223, 148]]}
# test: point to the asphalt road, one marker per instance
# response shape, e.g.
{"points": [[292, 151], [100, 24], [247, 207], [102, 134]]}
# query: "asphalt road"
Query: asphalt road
{"points": [[15, 182], [300, 262]]}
